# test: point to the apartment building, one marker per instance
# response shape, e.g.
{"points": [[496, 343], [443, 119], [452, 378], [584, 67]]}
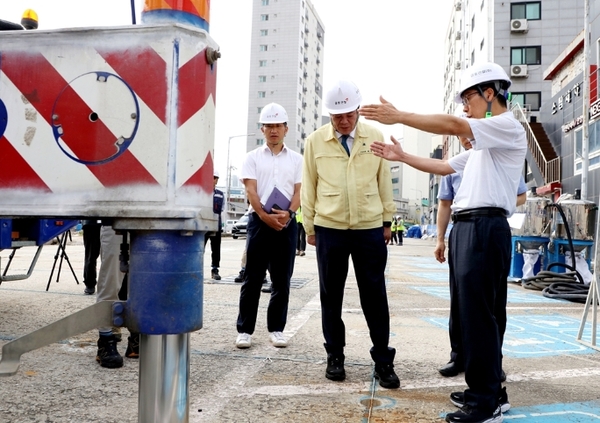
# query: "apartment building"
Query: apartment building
{"points": [[286, 67], [524, 37]]}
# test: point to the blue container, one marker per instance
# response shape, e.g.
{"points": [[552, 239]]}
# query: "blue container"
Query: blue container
{"points": [[165, 282]]}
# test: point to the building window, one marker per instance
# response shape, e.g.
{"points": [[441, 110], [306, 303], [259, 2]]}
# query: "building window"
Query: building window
{"points": [[262, 94], [593, 150], [265, 2], [395, 180], [258, 110], [531, 10], [531, 55], [258, 125], [264, 17], [528, 100], [262, 78], [482, 4], [473, 23], [262, 63], [264, 47], [264, 32], [260, 141], [482, 44]]}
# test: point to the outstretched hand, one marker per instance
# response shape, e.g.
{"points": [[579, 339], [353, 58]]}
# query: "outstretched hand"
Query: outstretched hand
{"points": [[392, 152], [383, 113]]}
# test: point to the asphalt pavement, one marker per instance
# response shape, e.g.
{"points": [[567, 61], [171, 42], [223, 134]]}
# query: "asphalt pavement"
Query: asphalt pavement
{"points": [[551, 376]]}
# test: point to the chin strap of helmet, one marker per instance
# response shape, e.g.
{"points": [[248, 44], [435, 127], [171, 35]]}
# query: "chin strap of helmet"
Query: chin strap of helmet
{"points": [[499, 90]]}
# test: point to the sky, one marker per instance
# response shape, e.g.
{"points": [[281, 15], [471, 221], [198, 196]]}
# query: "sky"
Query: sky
{"points": [[393, 48]]}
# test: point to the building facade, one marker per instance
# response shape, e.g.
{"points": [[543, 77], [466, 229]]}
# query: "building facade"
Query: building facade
{"points": [[286, 67]]}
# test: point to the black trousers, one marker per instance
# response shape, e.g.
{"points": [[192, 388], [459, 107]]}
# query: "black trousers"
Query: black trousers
{"points": [[215, 249], [301, 238], [479, 260], [91, 245], [369, 256], [274, 250]]}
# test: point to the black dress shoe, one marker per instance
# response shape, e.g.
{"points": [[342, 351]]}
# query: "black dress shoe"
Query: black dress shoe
{"points": [[386, 375], [335, 368], [451, 369], [89, 290]]}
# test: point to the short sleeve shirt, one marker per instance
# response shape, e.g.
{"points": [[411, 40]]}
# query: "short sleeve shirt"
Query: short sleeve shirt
{"points": [[283, 170], [492, 168]]}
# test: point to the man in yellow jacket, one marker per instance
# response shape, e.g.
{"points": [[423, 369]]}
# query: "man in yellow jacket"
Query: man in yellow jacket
{"points": [[347, 208]]}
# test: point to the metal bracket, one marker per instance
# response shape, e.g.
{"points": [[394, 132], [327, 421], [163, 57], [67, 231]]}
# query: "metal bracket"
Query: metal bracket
{"points": [[5, 277], [104, 313]]}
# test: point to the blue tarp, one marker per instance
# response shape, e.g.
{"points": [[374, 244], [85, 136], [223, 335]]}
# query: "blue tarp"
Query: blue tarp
{"points": [[414, 232]]}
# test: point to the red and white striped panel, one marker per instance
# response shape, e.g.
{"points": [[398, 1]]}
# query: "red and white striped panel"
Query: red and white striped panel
{"points": [[114, 118]]}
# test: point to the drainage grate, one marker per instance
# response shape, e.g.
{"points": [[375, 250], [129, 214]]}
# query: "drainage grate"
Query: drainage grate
{"points": [[295, 283]]}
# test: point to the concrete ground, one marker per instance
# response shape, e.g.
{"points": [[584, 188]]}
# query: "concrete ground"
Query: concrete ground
{"points": [[551, 376]]}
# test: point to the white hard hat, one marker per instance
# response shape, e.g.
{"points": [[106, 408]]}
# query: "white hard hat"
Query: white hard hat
{"points": [[481, 73], [216, 173], [273, 113], [343, 97]]}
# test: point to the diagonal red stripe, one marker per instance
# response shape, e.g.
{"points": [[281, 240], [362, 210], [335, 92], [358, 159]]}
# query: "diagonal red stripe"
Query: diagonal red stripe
{"points": [[146, 72], [203, 178], [15, 172], [41, 84], [197, 81]]}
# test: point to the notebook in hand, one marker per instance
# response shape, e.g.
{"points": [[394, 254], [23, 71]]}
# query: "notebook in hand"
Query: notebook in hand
{"points": [[276, 200]]}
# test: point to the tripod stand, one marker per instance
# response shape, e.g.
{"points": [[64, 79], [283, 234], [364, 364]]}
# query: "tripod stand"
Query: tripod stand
{"points": [[62, 245]]}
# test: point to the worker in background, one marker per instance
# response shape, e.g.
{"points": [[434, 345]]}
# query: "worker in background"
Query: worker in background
{"points": [[300, 249], [215, 237]]}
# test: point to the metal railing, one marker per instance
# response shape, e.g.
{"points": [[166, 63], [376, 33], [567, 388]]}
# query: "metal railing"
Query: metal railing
{"points": [[550, 169]]}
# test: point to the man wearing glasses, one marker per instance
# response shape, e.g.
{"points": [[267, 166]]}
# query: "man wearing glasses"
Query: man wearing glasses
{"points": [[480, 241], [267, 171], [347, 207]]}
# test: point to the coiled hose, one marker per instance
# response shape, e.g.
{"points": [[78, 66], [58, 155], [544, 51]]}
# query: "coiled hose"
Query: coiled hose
{"points": [[566, 286]]}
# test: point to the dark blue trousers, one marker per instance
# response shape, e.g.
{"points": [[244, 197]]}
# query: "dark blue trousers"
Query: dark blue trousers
{"points": [[479, 260], [267, 248], [369, 256]]}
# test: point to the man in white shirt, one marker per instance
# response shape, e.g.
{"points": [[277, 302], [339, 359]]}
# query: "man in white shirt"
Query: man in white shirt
{"points": [[272, 233], [480, 241]]}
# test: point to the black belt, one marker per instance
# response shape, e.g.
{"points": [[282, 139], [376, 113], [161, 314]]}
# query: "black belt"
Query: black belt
{"points": [[480, 212]]}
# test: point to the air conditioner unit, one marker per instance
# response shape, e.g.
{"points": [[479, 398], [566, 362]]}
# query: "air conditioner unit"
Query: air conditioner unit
{"points": [[518, 71], [458, 6], [457, 65], [518, 25], [458, 35]]}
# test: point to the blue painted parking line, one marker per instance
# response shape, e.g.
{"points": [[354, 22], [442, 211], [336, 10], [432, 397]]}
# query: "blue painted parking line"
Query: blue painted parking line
{"points": [[427, 263], [435, 276], [581, 412], [537, 335], [514, 295]]}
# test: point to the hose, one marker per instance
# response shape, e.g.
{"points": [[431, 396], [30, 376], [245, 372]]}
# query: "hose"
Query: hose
{"points": [[566, 286]]}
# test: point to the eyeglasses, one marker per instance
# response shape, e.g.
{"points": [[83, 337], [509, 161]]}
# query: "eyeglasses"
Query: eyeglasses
{"points": [[467, 97]]}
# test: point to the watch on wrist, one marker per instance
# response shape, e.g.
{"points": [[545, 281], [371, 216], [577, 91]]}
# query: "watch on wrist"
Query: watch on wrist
{"points": [[387, 224], [292, 214]]}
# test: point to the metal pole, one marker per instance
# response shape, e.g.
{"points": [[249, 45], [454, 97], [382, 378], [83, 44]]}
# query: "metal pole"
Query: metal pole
{"points": [[228, 198], [133, 12], [586, 103], [164, 378]]}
